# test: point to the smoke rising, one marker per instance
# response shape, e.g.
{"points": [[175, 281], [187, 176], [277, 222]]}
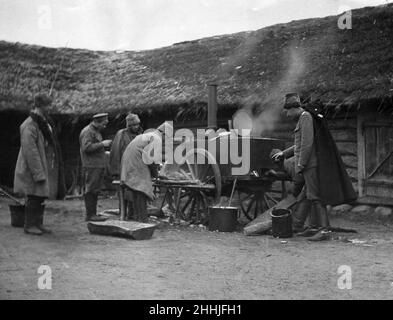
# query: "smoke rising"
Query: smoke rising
{"points": [[265, 108]]}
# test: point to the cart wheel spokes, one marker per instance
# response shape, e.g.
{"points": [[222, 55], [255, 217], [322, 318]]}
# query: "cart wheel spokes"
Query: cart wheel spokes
{"points": [[256, 203], [204, 188]]}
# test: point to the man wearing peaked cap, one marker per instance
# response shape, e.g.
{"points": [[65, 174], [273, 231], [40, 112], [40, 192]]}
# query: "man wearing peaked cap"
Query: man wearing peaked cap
{"points": [[292, 100], [300, 157], [94, 162], [100, 116], [317, 165]]}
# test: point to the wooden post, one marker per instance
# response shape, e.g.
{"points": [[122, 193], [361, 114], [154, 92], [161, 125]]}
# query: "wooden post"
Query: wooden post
{"points": [[122, 202], [361, 153], [212, 106]]}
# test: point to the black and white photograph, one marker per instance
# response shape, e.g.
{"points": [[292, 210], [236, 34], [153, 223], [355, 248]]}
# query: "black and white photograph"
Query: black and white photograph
{"points": [[196, 155]]}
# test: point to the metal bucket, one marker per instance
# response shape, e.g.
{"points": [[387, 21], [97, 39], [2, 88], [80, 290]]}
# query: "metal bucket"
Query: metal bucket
{"points": [[281, 223], [17, 215], [223, 219]]}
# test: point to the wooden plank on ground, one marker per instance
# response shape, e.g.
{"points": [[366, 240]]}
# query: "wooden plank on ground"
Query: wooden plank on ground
{"points": [[263, 222], [129, 229]]}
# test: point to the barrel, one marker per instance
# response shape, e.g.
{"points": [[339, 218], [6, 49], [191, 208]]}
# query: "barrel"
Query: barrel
{"points": [[223, 219], [281, 223], [17, 215]]}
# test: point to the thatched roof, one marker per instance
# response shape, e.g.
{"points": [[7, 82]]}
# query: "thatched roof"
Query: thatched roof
{"points": [[311, 56]]}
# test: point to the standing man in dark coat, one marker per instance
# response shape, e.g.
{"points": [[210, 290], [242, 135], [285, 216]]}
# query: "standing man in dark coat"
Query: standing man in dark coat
{"points": [[122, 139], [120, 142], [315, 160], [38, 171], [94, 162]]}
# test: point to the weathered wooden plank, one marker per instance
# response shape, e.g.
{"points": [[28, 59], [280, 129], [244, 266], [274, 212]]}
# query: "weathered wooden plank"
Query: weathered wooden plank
{"points": [[129, 229], [344, 135], [383, 147], [361, 150], [353, 173], [350, 161], [378, 145], [379, 201], [347, 148], [371, 149], [379, 191], [342, 124], [345, 115]]}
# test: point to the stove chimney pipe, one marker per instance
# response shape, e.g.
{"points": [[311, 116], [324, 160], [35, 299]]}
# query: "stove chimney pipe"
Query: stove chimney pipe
{"points": [[212, 106]]}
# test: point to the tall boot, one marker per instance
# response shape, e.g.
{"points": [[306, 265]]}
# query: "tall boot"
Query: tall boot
{"points": [[321, 212], [40, 219], [313, 223], [31, 216], [302, 212], [313, 220], [322, 215], [140, 206], [91, 207], [130, 211]]}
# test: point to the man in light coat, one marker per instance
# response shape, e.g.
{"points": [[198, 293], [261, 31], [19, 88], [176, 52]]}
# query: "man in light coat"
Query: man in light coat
{"points": [[138, 166], [36, 158], [94, 162]]}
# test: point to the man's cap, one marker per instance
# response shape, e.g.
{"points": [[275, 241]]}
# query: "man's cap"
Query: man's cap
{"points": [[132, 119], [292, 100], [42, 100], [99, 116]]}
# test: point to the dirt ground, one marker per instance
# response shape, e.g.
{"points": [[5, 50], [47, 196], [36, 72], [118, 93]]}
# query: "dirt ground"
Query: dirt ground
{"points": [[189, 263]]}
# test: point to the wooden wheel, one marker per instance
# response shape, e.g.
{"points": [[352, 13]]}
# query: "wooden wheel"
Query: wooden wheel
{"points": [[257, 202], [204, 189]]}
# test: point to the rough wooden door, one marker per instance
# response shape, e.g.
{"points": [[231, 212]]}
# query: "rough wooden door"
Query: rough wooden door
{"points": [[378, 159]]}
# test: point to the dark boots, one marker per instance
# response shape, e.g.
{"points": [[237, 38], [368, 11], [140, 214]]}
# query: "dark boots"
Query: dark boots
{"points": [[322, 214], [140, 206], [32, 214], [323, 219], [130, 211], [91, 207], [40, 220], [313, 224], [303, 210]]}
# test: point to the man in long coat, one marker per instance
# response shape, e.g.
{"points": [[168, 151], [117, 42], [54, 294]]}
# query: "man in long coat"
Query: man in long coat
{"points": [[94, 162], [122, 139], [38, 171], [138, 166], [317, 165]]}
